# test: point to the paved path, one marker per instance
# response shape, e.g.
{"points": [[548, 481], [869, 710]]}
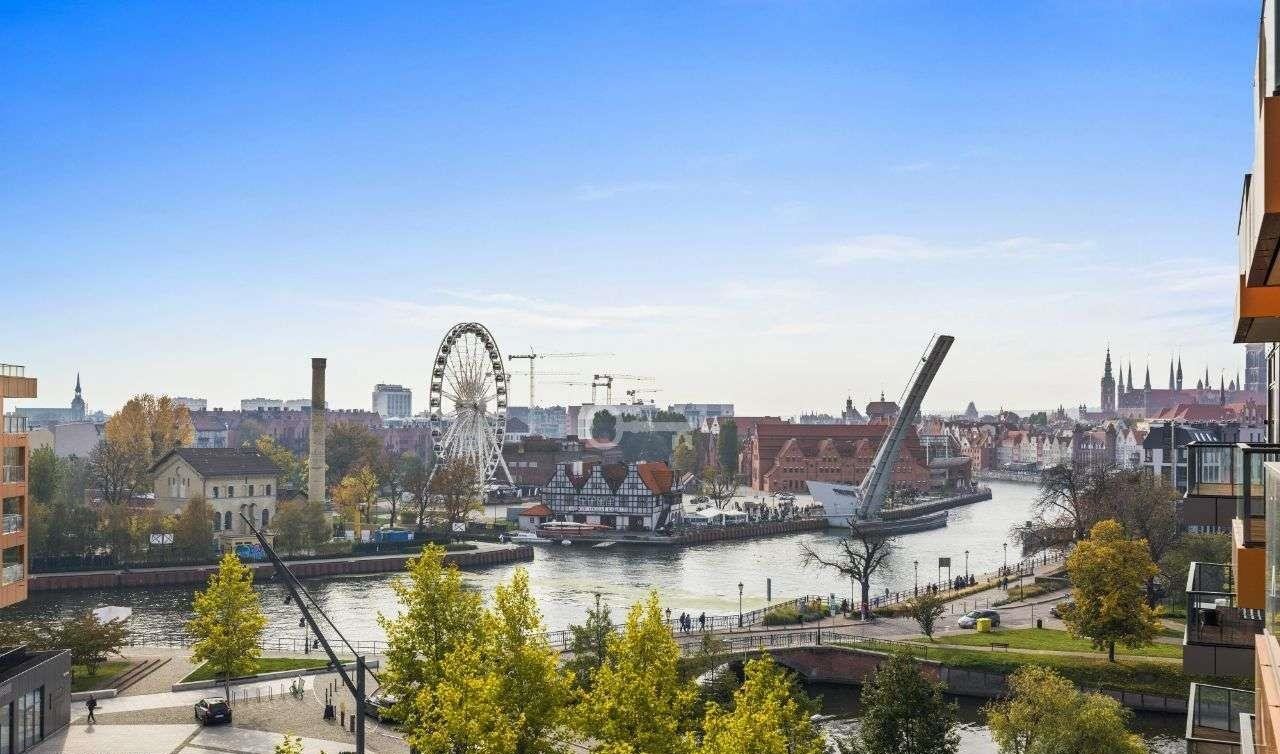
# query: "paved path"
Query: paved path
{"points": [[173, 739]]}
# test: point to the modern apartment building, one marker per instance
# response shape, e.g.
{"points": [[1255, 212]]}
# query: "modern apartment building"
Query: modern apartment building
{"points": [[13, 486]]}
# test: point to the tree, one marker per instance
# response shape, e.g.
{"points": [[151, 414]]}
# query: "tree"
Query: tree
{"points": [[228, 622], [1046, 714], [1191, 548], [90, 640], [463, 713], [590, 644], [770, 715], [438, 614], [926, 609], [604, 425], [859, 557], [728, 445], [682, 457], [1147, 507], [44, 472], [1109, 574], [146, 428], [116, 471], [457, 483], [719, 485], [639, 704], [117, 531], [290, 745], [301, 525], [348, 448], [293, 470], [193, 530], [904, 712], [64, 524], [393, 471], [417, 482], [1073, 498], [250, 431], [356, 494]]}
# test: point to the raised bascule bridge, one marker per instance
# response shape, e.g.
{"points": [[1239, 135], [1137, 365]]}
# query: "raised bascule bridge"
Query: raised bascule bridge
{"points": [[863, 504]]}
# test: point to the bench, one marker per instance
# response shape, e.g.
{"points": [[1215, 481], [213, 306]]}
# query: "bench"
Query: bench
{"points": [[1000, 645]]}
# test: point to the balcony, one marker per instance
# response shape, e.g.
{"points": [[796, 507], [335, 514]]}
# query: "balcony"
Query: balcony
{"points": [[14, 425], [1216, 716], [1225, 481], [1218, 638], [13, 474], [12, 523], [14, 383], [12, 573]]}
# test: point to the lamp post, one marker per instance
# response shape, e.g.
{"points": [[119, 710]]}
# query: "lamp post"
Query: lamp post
{"points": [[916, 565], [966, 566], [739, 604], [1005, 572]]}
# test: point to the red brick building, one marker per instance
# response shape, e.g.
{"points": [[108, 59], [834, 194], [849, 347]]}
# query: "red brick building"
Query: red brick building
{"points": [[781, 457]]}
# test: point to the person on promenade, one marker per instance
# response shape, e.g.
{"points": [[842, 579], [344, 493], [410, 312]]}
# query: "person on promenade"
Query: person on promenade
{"points": [[702, 621], [91, 705]]}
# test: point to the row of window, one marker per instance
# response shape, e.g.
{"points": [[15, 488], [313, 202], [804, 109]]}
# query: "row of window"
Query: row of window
{"points": [[231, 490], [226, 520], [22, 722]]}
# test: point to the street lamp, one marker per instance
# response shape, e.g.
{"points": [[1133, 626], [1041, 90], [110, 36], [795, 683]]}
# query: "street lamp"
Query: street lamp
{"points": [[739, 604], [1005, 573], [966, 566], [916, 564]]}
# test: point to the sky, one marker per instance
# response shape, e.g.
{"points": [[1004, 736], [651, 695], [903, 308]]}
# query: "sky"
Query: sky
{"points": [[768, 203]]}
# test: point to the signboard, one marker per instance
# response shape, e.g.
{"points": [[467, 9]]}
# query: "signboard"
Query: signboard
{"points": [[944, 562], [460, 527], [161, 539]]}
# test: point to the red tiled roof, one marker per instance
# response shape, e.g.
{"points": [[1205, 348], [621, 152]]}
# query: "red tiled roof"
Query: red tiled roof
{"points": [[656, 476], [536, 510]]}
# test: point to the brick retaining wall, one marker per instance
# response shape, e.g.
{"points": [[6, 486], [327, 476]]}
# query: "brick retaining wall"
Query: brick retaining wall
{"points": [[748, 531]]}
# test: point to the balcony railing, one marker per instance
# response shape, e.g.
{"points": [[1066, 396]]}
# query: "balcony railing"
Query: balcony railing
{"points": [[12, 370], [11, 573], [13, 474], [1213, 718], [12, 523], [1212, 615], [14, 425]]}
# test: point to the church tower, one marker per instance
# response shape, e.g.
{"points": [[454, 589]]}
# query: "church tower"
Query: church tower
{"points": [[1108, 387], [1179, 387], [77, 403], [1172, 384]]}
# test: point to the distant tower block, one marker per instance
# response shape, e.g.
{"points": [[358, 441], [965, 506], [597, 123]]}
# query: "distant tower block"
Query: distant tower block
{"points": [[315, 462]]}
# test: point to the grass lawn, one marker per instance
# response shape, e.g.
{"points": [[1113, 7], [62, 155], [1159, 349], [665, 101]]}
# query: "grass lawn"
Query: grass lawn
{"points": [[1049, 638], [1026, 592], [265, 665], [82, 681], [1127, 674]]}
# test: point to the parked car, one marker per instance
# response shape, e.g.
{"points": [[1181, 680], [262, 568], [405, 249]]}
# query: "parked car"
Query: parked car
{"points": [[970, 619], [1056, 610], [378, 706], [213, 710]]}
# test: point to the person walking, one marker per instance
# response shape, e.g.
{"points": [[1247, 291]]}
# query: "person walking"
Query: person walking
{"points": [[91, 705], [702, 621]]}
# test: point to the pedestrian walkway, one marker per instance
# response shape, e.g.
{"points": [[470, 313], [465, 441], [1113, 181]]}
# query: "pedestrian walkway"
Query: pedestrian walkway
{"points": [[166, 699], [173, 739]]}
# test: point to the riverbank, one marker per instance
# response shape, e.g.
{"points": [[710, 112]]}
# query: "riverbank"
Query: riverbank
{"points": [[934, 506], [485, 555], [702, 535], [1021, 477]]}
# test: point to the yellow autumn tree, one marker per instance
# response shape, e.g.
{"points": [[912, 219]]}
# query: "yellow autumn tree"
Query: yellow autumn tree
{"points": [[149, 426], [1045, 713], [1109, 574], [767, 717], [355, 496], [228, 622]]}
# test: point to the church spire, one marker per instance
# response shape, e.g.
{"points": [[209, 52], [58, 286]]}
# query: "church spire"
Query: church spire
{"points": [[77, 383], [1171, 383], [1146, 385], [1179, 373]]}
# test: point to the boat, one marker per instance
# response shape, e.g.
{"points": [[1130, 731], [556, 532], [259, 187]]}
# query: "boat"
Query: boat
{"points": [[526, 538], [566, 542], [603, 545], [562, 530]]}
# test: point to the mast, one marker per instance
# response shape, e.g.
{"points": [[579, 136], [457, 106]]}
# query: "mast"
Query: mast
{"points": [[875, 486]]}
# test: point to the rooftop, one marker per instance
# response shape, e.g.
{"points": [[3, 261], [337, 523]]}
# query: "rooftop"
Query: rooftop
{"points": [[223, 461]]}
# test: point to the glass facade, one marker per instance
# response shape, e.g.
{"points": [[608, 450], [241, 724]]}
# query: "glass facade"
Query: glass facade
{"points": [[22, 722], [1272, 572]]}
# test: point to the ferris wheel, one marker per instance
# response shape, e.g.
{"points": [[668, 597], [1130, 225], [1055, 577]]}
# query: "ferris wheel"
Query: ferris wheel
{"points": [[469, 400]]}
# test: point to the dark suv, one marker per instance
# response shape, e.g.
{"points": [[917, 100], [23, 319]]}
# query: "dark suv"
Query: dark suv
{"points": [[213, 710]]}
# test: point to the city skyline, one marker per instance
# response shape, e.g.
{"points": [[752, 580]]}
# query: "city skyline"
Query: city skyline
{"points": [[765, 217]]}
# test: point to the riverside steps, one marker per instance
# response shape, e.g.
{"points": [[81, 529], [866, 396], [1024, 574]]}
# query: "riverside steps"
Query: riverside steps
{"points": [[486, 554]]}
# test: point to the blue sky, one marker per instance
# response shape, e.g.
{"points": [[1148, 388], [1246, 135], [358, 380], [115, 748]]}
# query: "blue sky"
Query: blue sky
{"points": [[769, 203]]}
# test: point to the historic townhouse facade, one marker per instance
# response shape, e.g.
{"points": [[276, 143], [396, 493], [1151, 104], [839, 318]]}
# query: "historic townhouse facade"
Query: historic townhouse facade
{"points": [[624, 497]]}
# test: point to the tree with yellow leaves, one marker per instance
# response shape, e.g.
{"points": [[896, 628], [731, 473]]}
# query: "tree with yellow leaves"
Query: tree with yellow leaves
{"points": [[356, 494], [464, 713], [150, 426], [1046, 714], [639, 704], [768, 717], [228, 622], [1109, 575]]}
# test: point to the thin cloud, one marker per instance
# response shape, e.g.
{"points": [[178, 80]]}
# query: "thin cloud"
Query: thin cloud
{"points": [[596, 192], [892, 247]]}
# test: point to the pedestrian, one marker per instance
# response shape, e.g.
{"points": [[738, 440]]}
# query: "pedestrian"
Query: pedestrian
{"points": [[702, 621], [91, 705]]}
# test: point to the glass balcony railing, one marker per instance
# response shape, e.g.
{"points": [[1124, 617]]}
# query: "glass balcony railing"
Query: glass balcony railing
{"points": [[14, 425], [12, 523], [1212, 614], [11, 573], [1213, 718], [12, 370], [13, 474]]}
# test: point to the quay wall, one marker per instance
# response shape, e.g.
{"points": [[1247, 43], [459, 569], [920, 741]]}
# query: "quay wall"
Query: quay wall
{"points": [[748, 531], [924, 509], [303, 569]]}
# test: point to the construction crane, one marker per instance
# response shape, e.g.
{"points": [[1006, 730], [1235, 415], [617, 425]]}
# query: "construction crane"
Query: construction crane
{"points": [[533, 357], [632, 394], [606, 381]]}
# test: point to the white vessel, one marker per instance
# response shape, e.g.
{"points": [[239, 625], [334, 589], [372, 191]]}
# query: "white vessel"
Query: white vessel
{"points": [[526, 537]]}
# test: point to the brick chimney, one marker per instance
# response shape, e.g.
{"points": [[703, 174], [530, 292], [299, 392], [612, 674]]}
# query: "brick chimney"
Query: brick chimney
{"points": [[316, 466]]}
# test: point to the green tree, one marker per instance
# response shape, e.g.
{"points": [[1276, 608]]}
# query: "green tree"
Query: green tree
{"points": [[1147, 507], [301, 525], [904, 712], [728, 445], [604, 425], [682, 457], [193, 530], [64, 524], [639, 704], [926, 609], [438, 614], [464, 712], [44, 472], [117, 531], [770, 715], [290, 745], [89, 640], [417, 482], [348, 448], [590, 644], [456, 483], [1046, 714], [1109, 574], [228, 622], [1202, 548], [393, 472], [293, 470]]}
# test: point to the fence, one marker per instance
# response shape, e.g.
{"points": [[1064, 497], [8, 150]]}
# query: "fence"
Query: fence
{"points": [[1023, 568], [1213, 718]]}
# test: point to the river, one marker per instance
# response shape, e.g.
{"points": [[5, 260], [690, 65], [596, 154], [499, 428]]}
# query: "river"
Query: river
{"points": [[565, 579]]}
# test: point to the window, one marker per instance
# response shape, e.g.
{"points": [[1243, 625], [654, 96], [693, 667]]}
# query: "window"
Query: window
{"points": [[217, 522], [215, 491], [28, 720], [231, 490], [251, 490], [268, 489], [226, 521], [266, 517]]}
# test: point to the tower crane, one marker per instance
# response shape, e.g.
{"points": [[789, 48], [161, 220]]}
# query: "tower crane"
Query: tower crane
{"points": [[606, 381], [533, 357]]}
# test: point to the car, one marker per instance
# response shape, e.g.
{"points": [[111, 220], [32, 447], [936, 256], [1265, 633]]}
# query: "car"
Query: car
{"points": [[378, 706], [214, 709], [1056, 610], [970, 619]]}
